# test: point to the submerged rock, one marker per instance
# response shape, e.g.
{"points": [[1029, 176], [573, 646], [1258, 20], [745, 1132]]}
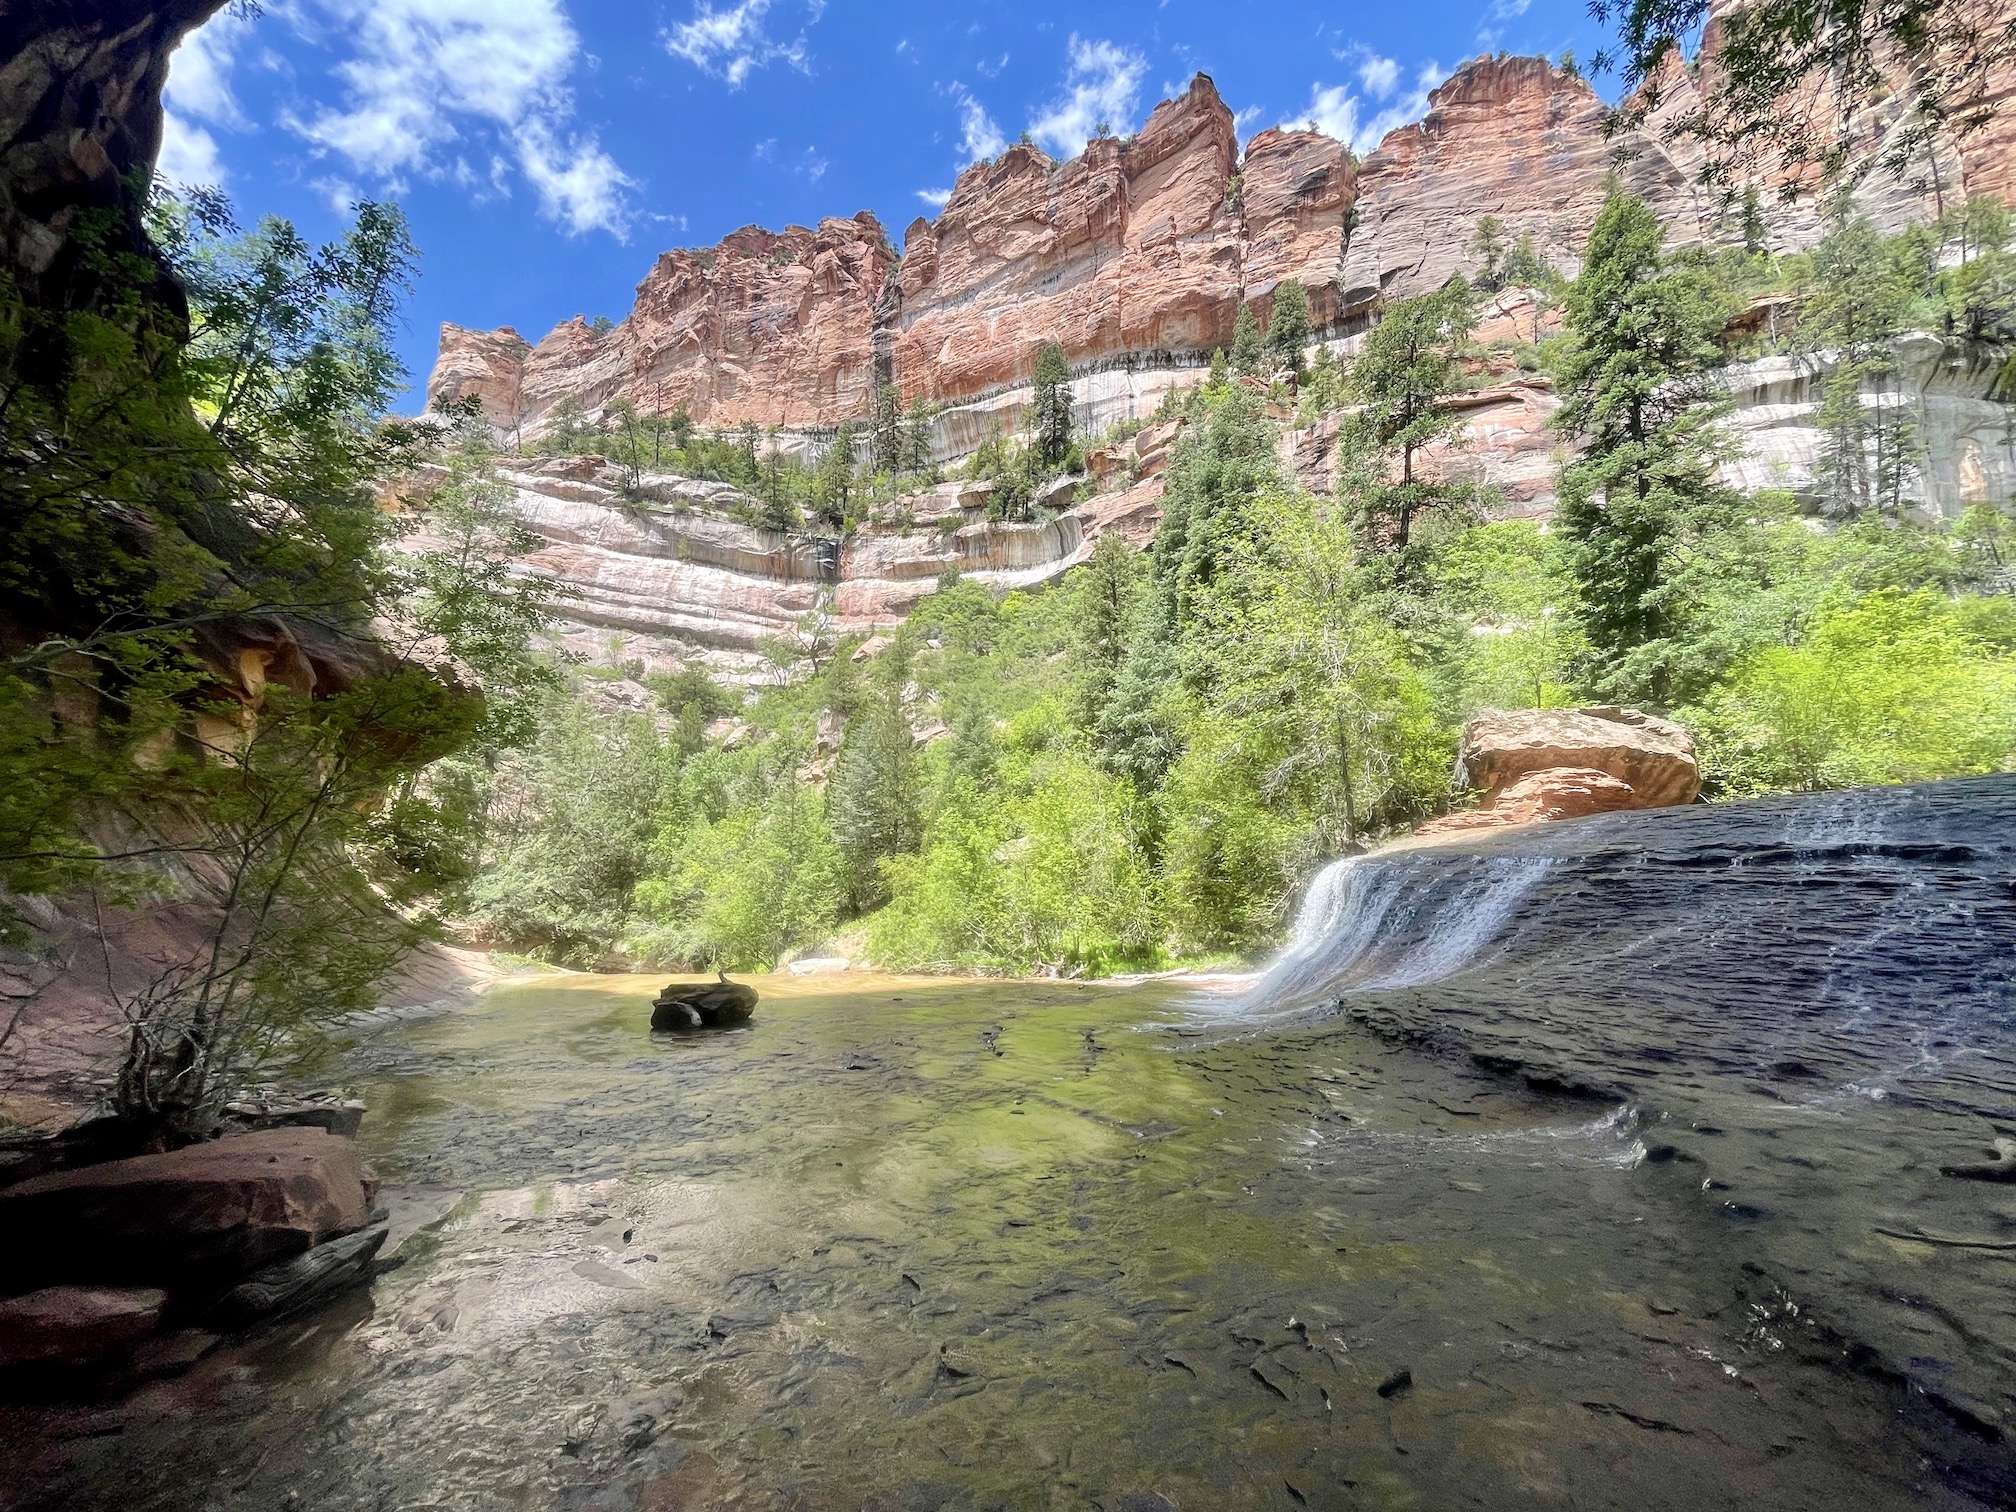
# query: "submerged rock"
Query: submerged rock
{"points": [[202, 1214], [719, 1004]]}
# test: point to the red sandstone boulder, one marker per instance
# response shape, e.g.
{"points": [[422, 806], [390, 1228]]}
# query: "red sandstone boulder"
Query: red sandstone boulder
{"points": [[209, 1212], [1653, 757], [75, 1325], [1538, 797]]}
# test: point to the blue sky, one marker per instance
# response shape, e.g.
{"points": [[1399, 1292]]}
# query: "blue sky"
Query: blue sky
{"points": [[546, 150]]}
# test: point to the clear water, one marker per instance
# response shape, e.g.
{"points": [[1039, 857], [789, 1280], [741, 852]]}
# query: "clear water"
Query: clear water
{"points": [[1545, 1220]]}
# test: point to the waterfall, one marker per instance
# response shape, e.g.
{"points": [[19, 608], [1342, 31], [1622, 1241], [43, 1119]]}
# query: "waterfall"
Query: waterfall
{"points": [[1400, 920]]}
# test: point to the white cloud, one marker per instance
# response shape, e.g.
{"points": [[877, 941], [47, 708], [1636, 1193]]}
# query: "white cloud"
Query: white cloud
{"points": [[979, 136], [199, 71], [1380, 76], [426, 75], [731, 44], [1336, 112], [1102, 87], [199, 91], [1333, 110], [1509, 10], [579, 184], [935, 198], [188, 153]]}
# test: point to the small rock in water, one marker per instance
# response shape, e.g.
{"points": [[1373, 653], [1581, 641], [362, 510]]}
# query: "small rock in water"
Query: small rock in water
{"points": [[718, 1004]]}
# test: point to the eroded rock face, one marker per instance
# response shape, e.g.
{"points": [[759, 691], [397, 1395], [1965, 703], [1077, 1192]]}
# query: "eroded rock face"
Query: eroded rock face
{"points": [[80, 120], [206, 1212], [1511, 137], [767, 328], [1653, 757], [1129, 248]]}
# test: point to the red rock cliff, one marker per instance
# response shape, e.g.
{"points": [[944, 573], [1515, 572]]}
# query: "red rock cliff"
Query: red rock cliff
{"points": [[1138, 254]]}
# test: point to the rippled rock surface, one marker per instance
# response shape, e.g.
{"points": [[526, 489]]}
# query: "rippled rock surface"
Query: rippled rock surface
{"points": [[1810, 1003]]}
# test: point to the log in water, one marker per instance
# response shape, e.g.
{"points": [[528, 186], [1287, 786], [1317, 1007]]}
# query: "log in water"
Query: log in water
{"points": [[1596, 1166]]}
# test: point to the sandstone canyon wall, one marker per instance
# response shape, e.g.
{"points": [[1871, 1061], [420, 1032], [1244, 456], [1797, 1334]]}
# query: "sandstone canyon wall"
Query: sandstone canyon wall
{"points": [[1135, 257]]}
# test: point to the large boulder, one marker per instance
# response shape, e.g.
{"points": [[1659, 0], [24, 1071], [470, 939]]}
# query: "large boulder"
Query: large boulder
{"points": [[75, 1325], [1653, 757], [1538, 797], [198, 1216]]}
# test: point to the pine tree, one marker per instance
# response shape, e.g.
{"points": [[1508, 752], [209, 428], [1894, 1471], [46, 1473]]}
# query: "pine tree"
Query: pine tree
{"points": [[1639, 393], [836, 475], [885, 432], [1107, 587], [1288, 328], [1756, 235], [1052, 405], [1247, 349], [917, 442], [1403, 379], [1856, 308], [873, 802], [1489, 245], [1221, 370]]}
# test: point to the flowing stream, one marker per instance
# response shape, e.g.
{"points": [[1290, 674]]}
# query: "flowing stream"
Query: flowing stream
{"points": [[1596, 1166]]}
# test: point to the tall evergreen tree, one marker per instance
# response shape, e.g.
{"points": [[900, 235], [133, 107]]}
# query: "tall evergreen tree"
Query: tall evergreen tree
{"points": [[1052, 405], [1247, 345], [1639, 394], [1403, 379], [1288, 328], [1488, 243], [836, 475], [885, 432], [874, 800], [1856, 308]]}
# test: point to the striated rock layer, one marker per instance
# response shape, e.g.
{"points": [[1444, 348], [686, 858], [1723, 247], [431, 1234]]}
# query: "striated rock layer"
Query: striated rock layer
{"points": [[1136, 255]]}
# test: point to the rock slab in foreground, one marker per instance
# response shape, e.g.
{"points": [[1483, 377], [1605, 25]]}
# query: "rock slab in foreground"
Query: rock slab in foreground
{"points": [[1653, 757], [202, 1214], [75, 1325]]}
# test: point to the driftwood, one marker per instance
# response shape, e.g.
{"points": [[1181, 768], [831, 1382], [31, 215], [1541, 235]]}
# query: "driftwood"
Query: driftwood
{"points": [[719, 1004]]}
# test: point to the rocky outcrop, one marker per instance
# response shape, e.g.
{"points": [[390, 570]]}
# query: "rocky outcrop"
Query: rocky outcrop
{"points": [[659, 570], [1513, 138], [1652, 757], [80, 122], [1130, 248], [1131, 256], [208, 1210], [767, 328]]}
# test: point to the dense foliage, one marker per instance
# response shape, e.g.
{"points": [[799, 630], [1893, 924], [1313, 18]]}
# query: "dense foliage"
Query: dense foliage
{"points": [[1145, 761]]}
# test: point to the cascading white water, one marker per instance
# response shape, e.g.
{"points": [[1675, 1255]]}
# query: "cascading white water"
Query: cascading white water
{"points": [[1399, 920]]}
